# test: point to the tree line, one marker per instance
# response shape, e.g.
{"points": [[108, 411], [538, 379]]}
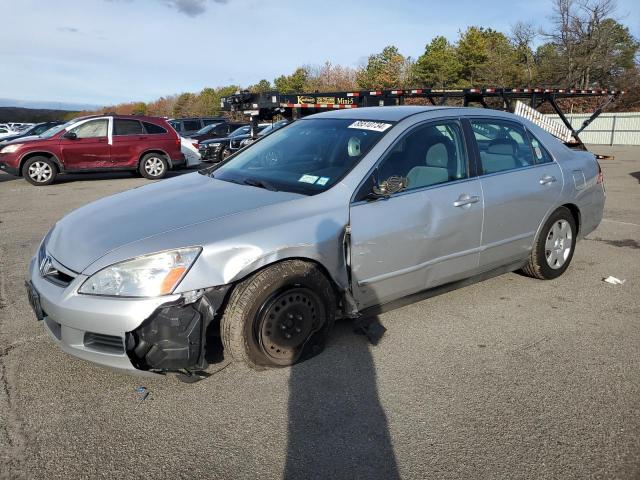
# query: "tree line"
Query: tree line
{"points": [[585, 46]]}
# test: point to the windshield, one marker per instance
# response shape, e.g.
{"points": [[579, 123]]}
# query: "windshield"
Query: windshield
{"points": [[240, 131], [308, 157], [207, 129], [58, 128]]}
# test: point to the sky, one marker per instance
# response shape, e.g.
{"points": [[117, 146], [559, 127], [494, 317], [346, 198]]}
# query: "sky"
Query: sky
{"points": [[102, 52]]}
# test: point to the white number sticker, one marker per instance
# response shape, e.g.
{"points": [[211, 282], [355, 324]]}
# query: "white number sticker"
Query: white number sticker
{"points": [[365, 125]]}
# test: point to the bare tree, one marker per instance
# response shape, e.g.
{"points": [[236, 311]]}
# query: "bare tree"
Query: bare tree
{"points": [[523, 35], [581, 32]]}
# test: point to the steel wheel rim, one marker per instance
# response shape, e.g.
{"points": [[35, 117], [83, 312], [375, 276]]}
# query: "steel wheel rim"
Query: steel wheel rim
{"points": [[286, 322], [40, 172], [154, 166], [557, 247]]}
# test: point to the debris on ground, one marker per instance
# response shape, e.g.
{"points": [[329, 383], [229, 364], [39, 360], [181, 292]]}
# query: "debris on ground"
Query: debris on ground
{"points": [[369, 327], [613, 280]]}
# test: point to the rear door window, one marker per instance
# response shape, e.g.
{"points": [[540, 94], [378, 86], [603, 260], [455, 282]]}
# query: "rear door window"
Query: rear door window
{"points": [[127, 127], [503, 145]]}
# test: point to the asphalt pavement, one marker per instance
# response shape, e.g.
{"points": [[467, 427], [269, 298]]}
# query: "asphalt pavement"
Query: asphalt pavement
{"points": [[508, 378]]}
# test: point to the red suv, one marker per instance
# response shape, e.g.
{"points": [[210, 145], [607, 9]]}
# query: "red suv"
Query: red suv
{"points": [[99, 143]]}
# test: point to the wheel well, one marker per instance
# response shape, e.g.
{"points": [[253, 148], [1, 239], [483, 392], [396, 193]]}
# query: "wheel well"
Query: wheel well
{"points": [[575, 211], [336, 288], [38, 154]]}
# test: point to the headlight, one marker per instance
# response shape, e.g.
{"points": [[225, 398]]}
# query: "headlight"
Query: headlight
{"points": [[148, 276], [11, 148]]}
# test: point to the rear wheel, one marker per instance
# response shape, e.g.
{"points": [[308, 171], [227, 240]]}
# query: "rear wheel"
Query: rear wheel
{"points": [[39, 171], [279, 315], [153, 166], [554, 247]]}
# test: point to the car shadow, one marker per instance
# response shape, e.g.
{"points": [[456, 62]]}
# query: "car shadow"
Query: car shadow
{"points": [[636, 175], [6, 177], [337, 427]]}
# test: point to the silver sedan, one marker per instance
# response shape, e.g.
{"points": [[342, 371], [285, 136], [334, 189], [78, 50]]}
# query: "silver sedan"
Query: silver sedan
{"points": [[326, 218]]}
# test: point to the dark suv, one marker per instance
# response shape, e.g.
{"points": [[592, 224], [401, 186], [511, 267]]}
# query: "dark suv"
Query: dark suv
{"points": [[217, 130], [147, 145], [188, 126]]}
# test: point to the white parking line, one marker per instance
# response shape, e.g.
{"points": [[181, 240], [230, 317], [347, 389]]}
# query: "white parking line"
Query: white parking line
{"points": [[618, 221]]}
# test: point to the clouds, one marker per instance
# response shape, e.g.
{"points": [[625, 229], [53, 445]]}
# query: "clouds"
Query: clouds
{"points": [[68, 30], [192, 8]]}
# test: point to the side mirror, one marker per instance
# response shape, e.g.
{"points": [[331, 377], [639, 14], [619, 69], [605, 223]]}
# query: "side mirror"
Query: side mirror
{"points": [[391, 185], [70, 135]]}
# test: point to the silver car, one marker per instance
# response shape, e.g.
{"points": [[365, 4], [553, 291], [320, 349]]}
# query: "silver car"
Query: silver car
{"points": [[325, 218]]}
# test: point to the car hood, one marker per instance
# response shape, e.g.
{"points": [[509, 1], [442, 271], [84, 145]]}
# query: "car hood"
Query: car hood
{"points": [[17, 139], [92, 231]]}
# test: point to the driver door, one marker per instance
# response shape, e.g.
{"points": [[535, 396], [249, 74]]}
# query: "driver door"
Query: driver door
{"points": [[425, 235], [90, 149]]}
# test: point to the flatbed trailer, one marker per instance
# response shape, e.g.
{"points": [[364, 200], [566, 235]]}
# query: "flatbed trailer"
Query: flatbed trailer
{"points": [[265, 106]]}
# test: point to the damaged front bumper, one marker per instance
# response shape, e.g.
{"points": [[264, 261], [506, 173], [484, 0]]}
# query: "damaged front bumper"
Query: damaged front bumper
{"points": [[135, 335]]}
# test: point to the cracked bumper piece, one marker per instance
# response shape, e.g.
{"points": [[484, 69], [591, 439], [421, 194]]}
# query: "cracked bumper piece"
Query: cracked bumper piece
{"points": [[136, 335]]}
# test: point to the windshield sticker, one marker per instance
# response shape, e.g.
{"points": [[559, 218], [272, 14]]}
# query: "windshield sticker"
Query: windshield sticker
{"points": [[308, 178], [375, 126], [322, 181]]}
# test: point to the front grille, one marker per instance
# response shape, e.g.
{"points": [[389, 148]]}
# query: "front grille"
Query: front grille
{"points": [[103, 343]]}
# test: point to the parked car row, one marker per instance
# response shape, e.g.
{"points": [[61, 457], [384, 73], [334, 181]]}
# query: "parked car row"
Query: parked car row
{"points": [[218, 149], [29, 131], [146, 145]]}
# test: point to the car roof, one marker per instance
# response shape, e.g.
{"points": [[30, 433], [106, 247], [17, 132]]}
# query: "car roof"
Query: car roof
{"points": [[389, 113], [400, 112]]}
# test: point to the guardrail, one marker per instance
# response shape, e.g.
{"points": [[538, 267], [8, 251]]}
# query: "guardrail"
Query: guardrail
{"points": [[607, 129]]}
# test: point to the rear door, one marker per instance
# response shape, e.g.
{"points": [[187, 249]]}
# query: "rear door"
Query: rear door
{"points": [[425, 235], [128, 139], [90, 149], [520, 186]]}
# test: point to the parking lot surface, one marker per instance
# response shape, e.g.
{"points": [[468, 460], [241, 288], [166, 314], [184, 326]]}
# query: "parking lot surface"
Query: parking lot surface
{"points": [[508, 378]]}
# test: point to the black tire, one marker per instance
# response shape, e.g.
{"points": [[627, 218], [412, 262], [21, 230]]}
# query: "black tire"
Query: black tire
{"points": [[548, 263], [292, 298], [39, 171], [153, 166]]}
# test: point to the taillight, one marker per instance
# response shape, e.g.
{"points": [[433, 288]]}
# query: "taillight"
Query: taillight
{"points": [[600, 174], [178, 142]]}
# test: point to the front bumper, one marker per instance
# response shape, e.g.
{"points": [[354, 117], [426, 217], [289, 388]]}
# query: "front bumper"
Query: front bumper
{"points": [[9, 164], [208, 152], [136, 335]]}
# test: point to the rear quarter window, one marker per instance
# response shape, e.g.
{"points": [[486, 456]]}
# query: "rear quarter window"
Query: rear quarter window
{"points": [[153, 129]]}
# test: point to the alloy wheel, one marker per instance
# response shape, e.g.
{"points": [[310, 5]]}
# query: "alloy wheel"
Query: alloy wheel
{"points": [[154, 166], [40, 172], [558, 244]]}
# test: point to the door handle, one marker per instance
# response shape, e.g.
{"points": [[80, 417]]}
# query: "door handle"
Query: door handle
{"points": [[466, 199], [547, 179], [102, 140], [142, 138]]}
